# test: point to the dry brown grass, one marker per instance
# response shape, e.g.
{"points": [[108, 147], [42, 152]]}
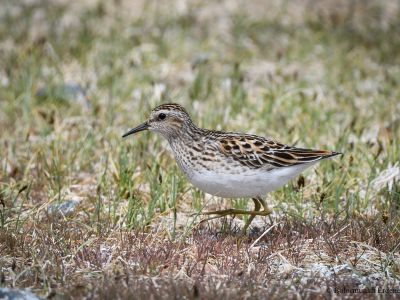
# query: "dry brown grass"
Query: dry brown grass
{"points": [[309, 259]]}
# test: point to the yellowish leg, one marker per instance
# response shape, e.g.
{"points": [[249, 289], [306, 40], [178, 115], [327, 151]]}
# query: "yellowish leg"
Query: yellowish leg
{"points": [[265, 208], [264, 205], [257, 206], [258, 202]]}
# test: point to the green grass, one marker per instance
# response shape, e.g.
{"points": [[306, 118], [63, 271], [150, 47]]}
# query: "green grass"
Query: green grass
{"points": [[318, 75]]}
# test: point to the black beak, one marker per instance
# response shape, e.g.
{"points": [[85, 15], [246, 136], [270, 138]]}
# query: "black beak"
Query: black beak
{"points": [[141, 127]]}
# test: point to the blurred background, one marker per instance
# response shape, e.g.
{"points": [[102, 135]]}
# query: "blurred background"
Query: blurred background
{"points": [[76, 75]]}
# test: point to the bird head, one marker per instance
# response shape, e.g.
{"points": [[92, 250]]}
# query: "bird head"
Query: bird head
{"points": [[167, 119]]}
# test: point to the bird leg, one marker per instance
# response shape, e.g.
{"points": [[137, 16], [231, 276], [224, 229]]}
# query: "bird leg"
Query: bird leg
{"points": [[257, 206], [258, 202]]}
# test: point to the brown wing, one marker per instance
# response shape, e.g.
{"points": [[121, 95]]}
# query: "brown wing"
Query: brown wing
{"points": [[256, 152]]}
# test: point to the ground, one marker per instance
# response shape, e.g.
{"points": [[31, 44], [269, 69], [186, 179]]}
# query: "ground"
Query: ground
{"points": [[85, 213]]}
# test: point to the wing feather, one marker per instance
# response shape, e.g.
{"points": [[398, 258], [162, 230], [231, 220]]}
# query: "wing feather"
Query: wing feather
{"points": [[258, 152]]}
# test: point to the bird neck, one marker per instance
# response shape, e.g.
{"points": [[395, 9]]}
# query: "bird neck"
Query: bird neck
{"points": [[187, 134]]}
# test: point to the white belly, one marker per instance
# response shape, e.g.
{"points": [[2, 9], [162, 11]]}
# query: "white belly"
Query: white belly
{"points": [[219, 181], [251, 183]]}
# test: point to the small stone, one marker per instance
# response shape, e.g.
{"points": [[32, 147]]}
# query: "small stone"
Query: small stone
{"points": [[63, 209], [64, 93], [200, 59], [387, 177], [14, 294]]}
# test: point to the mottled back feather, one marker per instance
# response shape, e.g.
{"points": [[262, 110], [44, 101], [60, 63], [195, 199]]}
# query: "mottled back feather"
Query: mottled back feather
{"points": [[259, 152]]}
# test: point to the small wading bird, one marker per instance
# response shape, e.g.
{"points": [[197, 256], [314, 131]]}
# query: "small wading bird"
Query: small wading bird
{"points": [[228, 164]]}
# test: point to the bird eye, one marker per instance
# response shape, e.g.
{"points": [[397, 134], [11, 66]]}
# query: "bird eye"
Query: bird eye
{"points": [[162, 116]]}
